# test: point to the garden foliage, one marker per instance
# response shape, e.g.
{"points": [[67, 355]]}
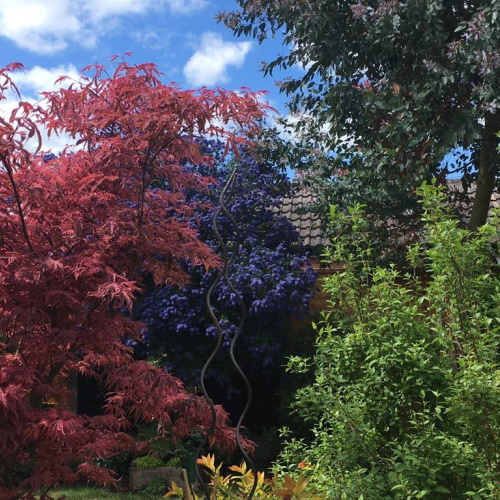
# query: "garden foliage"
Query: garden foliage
{"points": [[270, 272], [387, 89], [78, 232], [405, 401], [242, 482]]}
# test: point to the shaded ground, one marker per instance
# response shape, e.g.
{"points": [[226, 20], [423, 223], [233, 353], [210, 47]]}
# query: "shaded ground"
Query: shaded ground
{"points": [[96, 493]]}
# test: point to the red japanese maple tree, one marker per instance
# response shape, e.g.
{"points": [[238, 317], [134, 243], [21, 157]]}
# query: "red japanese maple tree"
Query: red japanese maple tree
{"points": [[78, 232]]}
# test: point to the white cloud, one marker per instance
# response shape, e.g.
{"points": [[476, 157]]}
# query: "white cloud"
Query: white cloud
{"points": [[186, 6], [101, 9], [30, 83], [38, 79], [302, 127], [208, 65], [303, 64], [151, 39], [54, 143], [39, 26], [48, 26]]}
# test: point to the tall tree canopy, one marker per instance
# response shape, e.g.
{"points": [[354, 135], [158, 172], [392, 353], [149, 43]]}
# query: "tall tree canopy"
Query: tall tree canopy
{"points": [[77, 234], [390, 87]]}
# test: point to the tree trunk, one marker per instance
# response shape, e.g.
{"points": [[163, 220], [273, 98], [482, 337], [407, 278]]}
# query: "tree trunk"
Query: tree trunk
{"points": [[488, 170]]}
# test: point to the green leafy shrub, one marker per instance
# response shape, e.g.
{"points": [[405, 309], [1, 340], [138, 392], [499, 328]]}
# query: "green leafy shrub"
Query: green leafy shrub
{"points": [[405, 402], [156, 487], [174, 462], [148, 462], [119, 463]]}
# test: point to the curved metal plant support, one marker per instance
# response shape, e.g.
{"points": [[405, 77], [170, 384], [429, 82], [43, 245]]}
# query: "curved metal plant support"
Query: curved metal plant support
{"points": [[224, 274]]}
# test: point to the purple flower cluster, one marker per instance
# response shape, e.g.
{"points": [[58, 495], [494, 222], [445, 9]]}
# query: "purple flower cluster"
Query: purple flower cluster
{"points": [[270, 271]]}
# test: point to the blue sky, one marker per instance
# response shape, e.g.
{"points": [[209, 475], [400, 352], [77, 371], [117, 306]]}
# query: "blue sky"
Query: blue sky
{"points": [[56, 37]]}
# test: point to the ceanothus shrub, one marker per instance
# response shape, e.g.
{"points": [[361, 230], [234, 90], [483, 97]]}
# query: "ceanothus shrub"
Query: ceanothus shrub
{"points": [[270, 271]]}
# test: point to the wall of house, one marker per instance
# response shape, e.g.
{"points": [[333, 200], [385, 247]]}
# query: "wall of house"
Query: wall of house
{"points": [[319, 301]]}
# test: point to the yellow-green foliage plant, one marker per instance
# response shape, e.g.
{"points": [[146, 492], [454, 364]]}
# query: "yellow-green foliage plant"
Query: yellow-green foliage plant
{"points": [[240, 483], [405, 398]]}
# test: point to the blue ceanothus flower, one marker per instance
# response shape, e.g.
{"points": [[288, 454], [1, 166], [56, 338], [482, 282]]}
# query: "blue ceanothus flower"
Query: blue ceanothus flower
{"points": [[271, 272]]}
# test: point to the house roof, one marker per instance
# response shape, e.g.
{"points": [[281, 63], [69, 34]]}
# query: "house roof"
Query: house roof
{"points": [[456, 190], [295, 209]]}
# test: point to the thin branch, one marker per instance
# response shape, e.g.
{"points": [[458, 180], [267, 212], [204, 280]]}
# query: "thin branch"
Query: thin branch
{"points": [[18, 201]]}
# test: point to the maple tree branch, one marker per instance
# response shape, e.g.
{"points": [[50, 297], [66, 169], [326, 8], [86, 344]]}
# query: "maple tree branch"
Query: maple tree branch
{"points": [[18, 201], [142, 192], [150, 158]]}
